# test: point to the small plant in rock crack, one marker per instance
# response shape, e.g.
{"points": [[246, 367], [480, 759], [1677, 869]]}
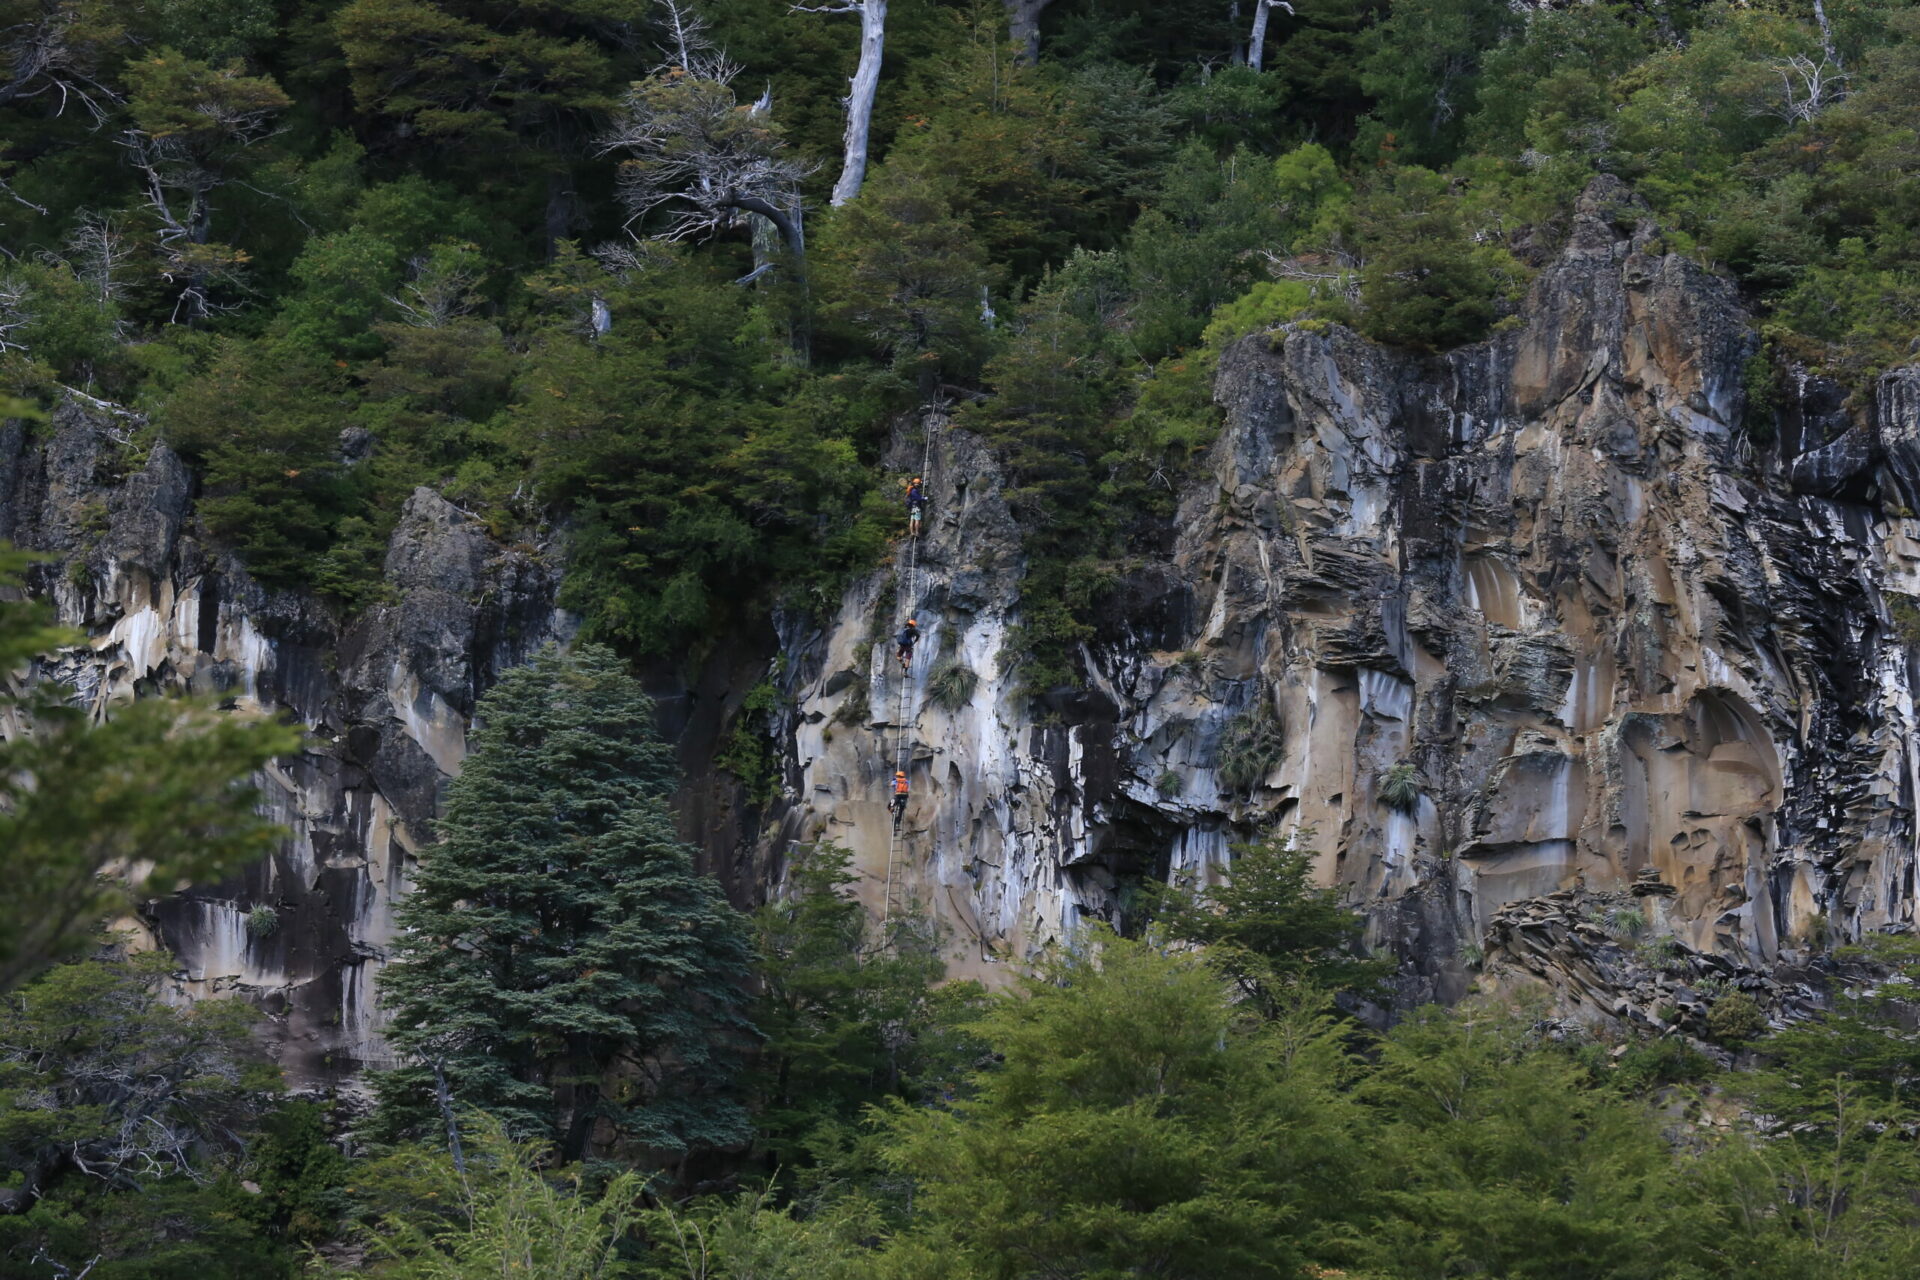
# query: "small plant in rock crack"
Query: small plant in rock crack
{"points": [[1625, 922], [1251, 748], [1167, 785], [1400, 788], [262, 921], [951, 684], [1472, 954], [1664, 954], [1734, 1019]]}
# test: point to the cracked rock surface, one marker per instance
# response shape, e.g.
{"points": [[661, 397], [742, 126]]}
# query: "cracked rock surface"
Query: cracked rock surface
{"points": [[1551, 575], [384, 698]]}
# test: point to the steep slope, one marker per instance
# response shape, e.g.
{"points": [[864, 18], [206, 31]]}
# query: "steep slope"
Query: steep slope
{"points": [[384, 699], [1651, 683], [1627, 659]]}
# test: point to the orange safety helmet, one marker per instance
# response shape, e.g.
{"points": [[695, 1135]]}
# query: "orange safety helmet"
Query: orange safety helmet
{"points": [[912, 623]]}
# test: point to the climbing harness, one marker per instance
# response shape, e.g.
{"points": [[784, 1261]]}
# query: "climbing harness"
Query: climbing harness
{"points": [[904, 723]]}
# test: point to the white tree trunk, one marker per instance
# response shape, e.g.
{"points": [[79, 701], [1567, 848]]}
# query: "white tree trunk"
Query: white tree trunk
{"points": [[1023, 26], [866, 82], [1826, 34], [1257, 44]]}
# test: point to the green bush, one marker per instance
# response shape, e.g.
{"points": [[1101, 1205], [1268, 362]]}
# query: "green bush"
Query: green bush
{"points": [[1666, 1060], [1735, 1018], [1625, 922], [1252, 746], [263, 921], [1400, 788], [951, 684]]}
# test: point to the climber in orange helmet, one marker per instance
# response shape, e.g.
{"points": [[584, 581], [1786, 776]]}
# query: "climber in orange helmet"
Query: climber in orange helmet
{"points": [[899, 796], [908, 637], [916, 504]]}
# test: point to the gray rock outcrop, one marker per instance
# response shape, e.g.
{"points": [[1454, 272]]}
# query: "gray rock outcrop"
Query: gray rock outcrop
{"points": [[384, 698], [1549, 580]]}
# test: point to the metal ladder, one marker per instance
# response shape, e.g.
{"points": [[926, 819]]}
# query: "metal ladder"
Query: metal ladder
{"points": [[904, 723]]}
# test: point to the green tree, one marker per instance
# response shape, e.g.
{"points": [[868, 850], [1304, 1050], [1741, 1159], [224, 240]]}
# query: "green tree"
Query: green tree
{"points": [[1499, 1157], [156, 784], [1826, 1187], [102, 1080], [464, 82], [1268, 926], [563, 965], [264, 420], [1423, 66], [848, 1021], [1132, 1122], [495, 1210], [1425, 282], [907, 273]]}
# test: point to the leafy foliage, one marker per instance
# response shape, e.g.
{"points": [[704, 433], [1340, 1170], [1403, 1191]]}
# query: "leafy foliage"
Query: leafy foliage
{"points": [[1400, 787], [156, 784], [951, 683], [1251, 746], [1266, 924], [559, 931]]}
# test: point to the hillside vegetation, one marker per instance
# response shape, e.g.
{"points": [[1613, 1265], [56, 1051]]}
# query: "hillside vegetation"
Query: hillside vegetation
{"points": [[653, 275]]}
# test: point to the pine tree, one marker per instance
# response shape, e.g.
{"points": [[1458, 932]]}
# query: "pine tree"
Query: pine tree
{"points": [[562, 963]]}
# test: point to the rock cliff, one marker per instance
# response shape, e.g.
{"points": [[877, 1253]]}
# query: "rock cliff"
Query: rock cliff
{"points": [[385, 700], [1572, 673], [1531, 632]]}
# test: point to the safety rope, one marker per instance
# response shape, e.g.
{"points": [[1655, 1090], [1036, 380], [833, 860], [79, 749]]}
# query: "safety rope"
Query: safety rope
{"points": [[904, 724]]}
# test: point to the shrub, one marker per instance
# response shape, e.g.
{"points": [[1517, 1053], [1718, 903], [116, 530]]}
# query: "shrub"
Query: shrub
{"points": [[1625, 922], [263, 921], [1400, 788], [1652, 1063], [951, 684], [1906, 618], [1251, 747], [1735, 1018], [1664, 954], [1167, 785], [748, 751]]}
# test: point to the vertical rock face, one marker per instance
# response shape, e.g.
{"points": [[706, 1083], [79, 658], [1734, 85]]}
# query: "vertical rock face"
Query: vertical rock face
{"points": [[1617, 662], [1546, 581], [384, 698]]}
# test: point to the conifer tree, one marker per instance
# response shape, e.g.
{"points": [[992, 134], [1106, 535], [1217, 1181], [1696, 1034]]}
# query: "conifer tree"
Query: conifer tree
{"points": [[562, 963]]}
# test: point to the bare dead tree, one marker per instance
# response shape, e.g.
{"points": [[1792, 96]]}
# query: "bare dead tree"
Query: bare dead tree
{"points": [[860, 90], [1807, 87], [96, 249], [48, 56], [438, 293], [183, 156], [692, 150], [14, 314], [1257, 43]]}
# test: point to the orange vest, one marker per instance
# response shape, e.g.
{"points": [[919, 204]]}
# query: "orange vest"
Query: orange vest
{"points": [[899, 786]]}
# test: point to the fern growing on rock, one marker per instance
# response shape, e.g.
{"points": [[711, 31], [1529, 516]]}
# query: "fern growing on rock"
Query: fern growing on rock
{"points": [[951, 684], [1400, 788], [1252, 747]]}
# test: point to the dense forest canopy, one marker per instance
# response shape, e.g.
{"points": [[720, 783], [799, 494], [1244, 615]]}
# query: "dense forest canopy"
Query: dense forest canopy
{"points": [[665, 276], [399, 224]]}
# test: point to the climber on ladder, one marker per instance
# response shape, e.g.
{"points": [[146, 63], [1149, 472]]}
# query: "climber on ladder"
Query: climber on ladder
{"points": [[916, 505], [899, 797], [908, 637]]}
